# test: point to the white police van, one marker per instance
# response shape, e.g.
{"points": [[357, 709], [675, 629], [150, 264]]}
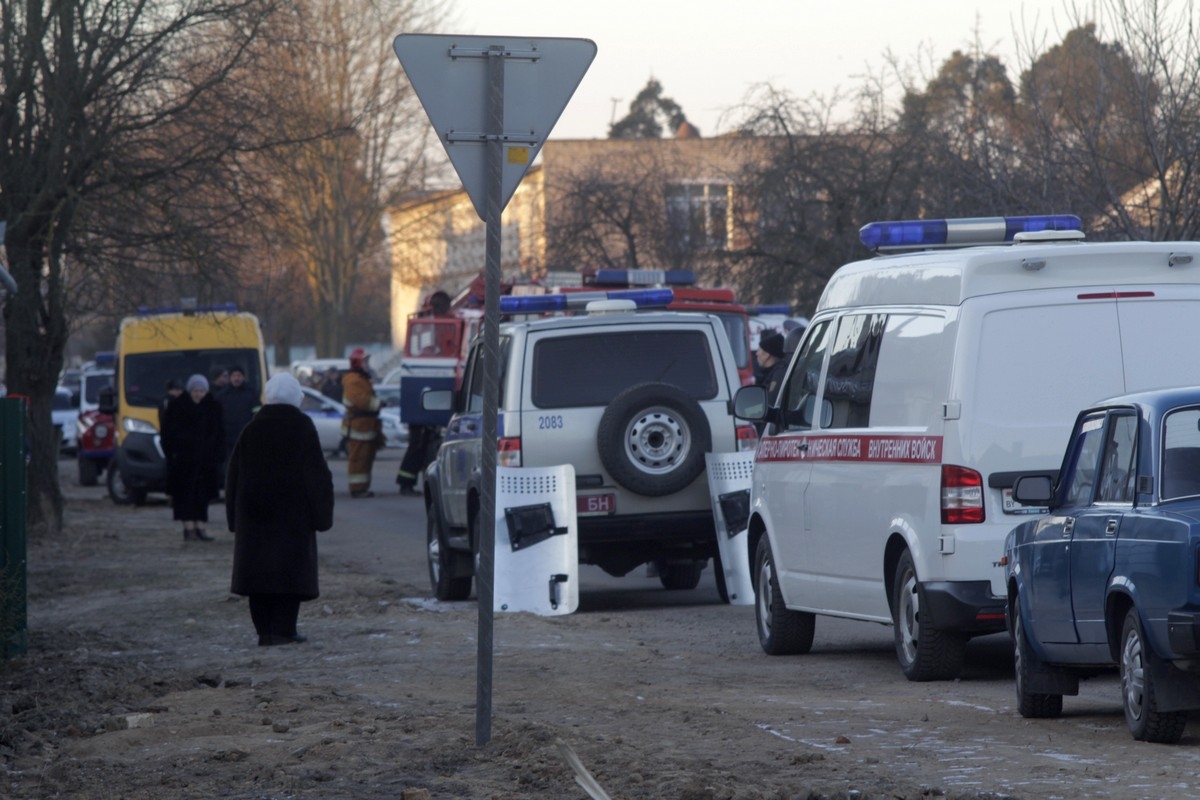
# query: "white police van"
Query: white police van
{"points": [[925, 383], [633, 400]]}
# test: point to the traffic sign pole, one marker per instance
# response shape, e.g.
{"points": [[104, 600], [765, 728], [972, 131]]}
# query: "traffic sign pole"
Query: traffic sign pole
{"points": [[445, 74], [485, 572]]}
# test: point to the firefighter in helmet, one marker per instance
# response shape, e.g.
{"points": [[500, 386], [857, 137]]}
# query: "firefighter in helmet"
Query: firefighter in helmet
{"points": [[361, 425]]}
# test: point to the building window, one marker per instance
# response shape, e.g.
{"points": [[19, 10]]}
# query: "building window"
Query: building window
{"points": [[698, 215]]}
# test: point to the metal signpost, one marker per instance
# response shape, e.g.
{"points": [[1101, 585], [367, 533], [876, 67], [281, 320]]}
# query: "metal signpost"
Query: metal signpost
{"points": [[493, 101]]}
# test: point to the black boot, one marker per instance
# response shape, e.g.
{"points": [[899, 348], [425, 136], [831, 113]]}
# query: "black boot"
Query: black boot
{"points": [[202, 535]]}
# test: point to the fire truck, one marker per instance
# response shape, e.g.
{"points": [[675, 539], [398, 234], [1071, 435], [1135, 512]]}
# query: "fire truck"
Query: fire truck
{"points": [[435, 347]]}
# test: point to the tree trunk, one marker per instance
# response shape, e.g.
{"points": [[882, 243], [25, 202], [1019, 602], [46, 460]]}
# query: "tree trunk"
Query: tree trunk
{"points": [[35, 336], [330, 331]]}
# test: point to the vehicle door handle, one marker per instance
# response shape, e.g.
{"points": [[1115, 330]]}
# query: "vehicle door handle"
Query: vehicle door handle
{"points": [[1111, 528], [1068, 526]]}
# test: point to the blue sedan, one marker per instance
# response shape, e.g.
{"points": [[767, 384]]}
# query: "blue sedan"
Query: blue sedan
{"points": [[1110, 576]]}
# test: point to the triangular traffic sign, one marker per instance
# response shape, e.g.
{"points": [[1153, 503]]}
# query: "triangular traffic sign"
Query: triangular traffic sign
{"points": [[451, 78]]}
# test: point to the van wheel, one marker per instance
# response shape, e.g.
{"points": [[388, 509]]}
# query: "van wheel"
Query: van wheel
{"points": [[652, 439], [925, 654], [781, 631], [120, 493], [89, 472], [679, 576], [441, 563], [1139, 693], [1029, 705]]}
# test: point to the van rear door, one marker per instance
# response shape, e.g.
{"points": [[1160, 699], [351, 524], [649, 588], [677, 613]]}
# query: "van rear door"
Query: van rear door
{"points": [[1160, 336]]}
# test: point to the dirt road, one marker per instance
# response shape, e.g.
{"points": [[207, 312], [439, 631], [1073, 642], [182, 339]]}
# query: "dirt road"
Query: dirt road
{"points": [[143, 680]]}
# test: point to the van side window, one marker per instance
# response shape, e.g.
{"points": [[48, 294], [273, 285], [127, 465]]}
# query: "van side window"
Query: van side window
{"points": [[799, 396], [1081, 474], [471, 398], [1119, 467], [851, 376]]}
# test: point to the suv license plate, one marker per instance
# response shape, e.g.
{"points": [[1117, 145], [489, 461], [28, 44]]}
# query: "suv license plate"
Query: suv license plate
{"points": [[596, 503]]}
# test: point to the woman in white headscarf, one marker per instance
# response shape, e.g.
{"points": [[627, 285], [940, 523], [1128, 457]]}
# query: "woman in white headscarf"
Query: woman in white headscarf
{"points": [[193, 441], [278, 495]]}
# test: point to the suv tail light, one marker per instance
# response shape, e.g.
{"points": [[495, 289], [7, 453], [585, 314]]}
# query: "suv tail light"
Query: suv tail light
{"points": [[747, 438], [962, 495], [508, 452]]}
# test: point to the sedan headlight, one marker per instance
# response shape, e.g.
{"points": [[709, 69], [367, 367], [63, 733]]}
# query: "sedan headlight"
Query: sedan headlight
{"points": [[135, 425]]}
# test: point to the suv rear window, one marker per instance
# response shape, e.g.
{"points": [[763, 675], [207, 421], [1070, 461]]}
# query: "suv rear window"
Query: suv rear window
{"points": [[591, 370]]}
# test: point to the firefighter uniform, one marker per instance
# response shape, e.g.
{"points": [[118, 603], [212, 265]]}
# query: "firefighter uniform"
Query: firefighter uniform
{"points": [[361, 425]]}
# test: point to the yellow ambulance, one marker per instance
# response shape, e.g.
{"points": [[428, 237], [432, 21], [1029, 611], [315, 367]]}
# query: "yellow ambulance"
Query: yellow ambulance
{"points": [[153, 348]]}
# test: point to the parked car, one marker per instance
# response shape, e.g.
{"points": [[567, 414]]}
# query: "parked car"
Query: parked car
{"points": [[64, 414], [1111, 577], [633, 400], [327, 415]]}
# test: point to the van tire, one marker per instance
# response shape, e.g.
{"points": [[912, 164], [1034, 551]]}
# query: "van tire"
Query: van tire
{"points": [[925, 653], [120, 492], [677, 576], [781, 631], [652, 439], [446, 587]]}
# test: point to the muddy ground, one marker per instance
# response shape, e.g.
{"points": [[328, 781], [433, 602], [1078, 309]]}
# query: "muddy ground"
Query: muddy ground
{"points": [[143, 680]]}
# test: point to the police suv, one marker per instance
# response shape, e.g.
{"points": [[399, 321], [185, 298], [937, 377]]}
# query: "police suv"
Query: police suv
{"points": [[632, 399], [925, 384]]}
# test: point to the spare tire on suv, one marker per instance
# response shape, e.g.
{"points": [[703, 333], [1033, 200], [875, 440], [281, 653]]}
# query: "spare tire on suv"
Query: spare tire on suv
{"points": [[652, 439]]}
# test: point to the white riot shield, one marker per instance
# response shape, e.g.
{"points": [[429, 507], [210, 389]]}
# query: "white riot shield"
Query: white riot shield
{"points": [[537, 540], [729, 477]]}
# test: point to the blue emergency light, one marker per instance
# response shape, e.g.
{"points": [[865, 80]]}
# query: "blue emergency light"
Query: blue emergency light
{"points": [[644, 277], [757, 311], [571, 301], [146, 311], [919, 233]]}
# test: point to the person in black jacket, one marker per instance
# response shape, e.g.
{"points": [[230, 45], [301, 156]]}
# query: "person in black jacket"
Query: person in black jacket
{"points": [[278, 495], [238, 400], [193, 441]]}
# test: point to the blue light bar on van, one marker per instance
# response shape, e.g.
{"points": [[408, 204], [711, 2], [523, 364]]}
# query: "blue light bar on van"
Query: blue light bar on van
{"points": [[756, 311], [549, 303], [644, 277], [146, 311], [105, 358], [919, 233]]}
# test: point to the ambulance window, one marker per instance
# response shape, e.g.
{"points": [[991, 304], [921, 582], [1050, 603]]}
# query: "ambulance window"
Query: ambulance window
{"points": [[911, 383], [850, 379], [800, 394]]}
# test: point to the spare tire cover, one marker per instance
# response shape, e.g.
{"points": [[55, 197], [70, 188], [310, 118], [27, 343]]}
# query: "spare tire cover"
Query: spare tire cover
{"points": [[652, 439]]}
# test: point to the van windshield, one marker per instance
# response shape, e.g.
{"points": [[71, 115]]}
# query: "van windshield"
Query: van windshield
{"points": [[146, 374]]}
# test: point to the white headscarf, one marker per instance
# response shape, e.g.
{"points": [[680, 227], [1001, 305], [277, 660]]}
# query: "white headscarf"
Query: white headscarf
{"points": [[283, 388]]}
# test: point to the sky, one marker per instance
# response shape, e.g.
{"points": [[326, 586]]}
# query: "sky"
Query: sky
{"points": [[708, 54]]}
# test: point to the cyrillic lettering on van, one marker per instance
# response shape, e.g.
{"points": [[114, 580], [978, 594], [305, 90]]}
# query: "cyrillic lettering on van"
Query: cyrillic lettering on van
{"points": [[836, 447]]}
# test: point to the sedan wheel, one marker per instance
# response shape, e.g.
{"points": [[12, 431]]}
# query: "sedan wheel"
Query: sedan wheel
{"points": [[1139, 691]]}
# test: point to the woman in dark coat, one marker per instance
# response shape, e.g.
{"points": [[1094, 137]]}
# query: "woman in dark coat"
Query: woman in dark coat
{"points": [[193, 441], [278, 494]]}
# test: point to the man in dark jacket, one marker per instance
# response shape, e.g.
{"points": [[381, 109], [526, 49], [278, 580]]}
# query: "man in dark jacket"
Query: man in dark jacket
{"points": [[238, 401], [771, 363], [278, 495]]}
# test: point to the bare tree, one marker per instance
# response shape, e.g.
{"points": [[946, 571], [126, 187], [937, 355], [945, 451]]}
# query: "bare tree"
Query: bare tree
{"points": [[337, 92], [86, 89]]}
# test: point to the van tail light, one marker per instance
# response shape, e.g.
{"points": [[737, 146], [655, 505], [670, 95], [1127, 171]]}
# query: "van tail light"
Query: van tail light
{"points": [[508, 452], [747, 438], [962, 495]]}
